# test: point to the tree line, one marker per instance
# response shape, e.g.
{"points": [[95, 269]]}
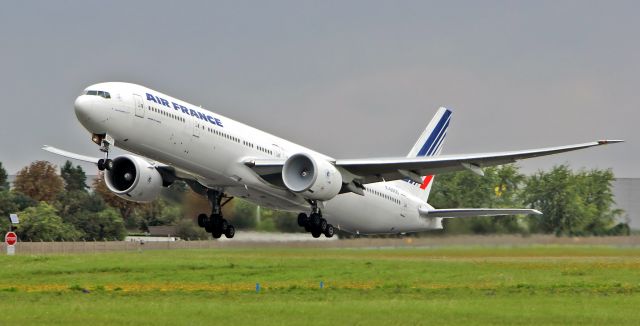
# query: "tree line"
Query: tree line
{"points": [[56, 204], [573, 203]]}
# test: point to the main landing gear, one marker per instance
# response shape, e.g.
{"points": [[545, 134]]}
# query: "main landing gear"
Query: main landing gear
{"points": [[315, 224], [215, 223]]}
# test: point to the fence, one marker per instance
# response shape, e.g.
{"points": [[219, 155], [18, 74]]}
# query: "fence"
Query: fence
{"points": [[39, 248]]}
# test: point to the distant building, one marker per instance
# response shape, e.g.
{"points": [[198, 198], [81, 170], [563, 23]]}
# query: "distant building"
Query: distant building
{"points": [[627, 197]]}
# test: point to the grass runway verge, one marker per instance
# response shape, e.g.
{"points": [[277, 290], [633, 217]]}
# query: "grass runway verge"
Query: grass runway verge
{"points": [[536, 285]]}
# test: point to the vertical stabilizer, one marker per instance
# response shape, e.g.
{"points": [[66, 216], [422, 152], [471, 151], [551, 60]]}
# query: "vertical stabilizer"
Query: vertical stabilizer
{"points": [[429, 144]]}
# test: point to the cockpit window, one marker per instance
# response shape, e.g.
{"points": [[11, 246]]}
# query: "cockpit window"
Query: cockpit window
{"points": [[99, 93]]}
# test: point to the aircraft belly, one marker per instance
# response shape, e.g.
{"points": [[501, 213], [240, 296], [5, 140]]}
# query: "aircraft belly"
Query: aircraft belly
{"points": [[371, 215], [361, 214]]}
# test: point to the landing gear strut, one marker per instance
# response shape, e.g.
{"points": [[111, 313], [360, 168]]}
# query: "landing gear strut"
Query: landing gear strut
{"points": [[315, 223], [105, 142], [215, 223]]}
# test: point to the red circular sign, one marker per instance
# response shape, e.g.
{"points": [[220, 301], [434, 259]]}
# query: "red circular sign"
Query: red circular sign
{"points": [[10, 238]]}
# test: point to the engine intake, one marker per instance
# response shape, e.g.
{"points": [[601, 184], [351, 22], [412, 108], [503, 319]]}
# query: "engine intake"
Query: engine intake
{"points": [[134, 179], [314, 178]]}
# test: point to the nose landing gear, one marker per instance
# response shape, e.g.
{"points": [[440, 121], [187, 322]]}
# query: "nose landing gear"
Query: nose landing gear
{"points": [[105, 141]]}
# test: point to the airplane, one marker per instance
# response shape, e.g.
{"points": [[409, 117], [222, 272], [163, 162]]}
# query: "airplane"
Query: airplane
{"points": [[221, 159]]}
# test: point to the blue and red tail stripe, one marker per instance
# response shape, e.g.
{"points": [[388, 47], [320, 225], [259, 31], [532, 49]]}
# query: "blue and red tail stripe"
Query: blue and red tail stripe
{"points": [[436, 137]]}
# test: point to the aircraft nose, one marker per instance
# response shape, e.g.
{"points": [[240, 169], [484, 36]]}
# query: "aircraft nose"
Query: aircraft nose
{"points": [[83, 106]]}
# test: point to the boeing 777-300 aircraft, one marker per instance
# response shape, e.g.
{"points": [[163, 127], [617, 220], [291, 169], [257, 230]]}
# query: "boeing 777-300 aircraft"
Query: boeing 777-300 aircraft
{"points": [[221, 158]]}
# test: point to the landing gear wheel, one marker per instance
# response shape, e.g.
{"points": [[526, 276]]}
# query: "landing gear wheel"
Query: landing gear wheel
{"points": [[302, 220], [330, 231], [207, 227], [323, 225], [316, 234], [315, 219], [216, 234], [230, 232], [224, 225], [108, 164], [101, 164], [202, 220]]}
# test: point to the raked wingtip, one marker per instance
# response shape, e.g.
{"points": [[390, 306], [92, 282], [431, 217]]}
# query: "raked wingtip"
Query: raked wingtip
{"points": [[609, 141]]}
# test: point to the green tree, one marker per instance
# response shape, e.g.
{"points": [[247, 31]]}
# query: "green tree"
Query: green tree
{"points": [[186, 229], [498, 188], [10, 203], [242, 214], [4, 185], [102, 225], [86, 212], [572, 203], [157, 212], [42, 223], [74, 177], [39, 181]]}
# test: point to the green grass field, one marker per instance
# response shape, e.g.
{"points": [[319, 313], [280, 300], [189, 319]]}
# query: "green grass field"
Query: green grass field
{"points": [[451, 285]]}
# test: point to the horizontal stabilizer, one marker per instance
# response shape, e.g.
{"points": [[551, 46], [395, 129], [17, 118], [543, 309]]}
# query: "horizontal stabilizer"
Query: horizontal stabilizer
{"points": [[471, 212]]}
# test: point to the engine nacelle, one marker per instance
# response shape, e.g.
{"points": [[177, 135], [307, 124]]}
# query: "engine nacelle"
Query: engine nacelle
{"points": [[313, 178], [134, 179]]}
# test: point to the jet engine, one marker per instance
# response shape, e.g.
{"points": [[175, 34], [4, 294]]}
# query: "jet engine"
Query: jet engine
{"points": [[313, 178], [134, 179]]}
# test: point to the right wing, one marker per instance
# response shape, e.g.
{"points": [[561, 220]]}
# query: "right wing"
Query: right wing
{"points": [[169, 173], [71, 155]]}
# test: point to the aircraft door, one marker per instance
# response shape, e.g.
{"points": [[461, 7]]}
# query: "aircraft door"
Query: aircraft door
{"points": [[404, 204], [278, 151], [139, 105], [197, 124]]}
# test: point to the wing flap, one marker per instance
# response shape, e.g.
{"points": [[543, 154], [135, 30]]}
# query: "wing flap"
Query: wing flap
{"points": [[471, 212]]}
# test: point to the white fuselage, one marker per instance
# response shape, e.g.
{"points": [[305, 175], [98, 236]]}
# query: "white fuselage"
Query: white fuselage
{"points": [[212, 149]]}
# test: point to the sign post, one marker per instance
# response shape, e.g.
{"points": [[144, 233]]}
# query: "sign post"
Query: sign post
{"points": [[10, 240]]}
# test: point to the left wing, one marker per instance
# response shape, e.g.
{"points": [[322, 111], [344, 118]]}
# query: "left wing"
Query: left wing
{"points": [[471, 212], [375, 170]]}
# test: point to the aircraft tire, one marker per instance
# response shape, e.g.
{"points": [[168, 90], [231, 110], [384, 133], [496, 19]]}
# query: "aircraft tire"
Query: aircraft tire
{"points": [[202, 220], [216, 234], [101, 164], [315, 234], [330, 231], [230, 231], [302, 220], [108, 164], [323, 225], [315, 219]]}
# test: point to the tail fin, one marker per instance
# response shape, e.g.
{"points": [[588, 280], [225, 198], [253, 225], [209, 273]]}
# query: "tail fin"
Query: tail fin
{"points": [[429, 144]]}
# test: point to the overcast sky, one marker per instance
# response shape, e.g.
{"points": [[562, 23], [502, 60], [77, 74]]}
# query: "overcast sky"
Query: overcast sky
{"points": [[348, 78]]}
